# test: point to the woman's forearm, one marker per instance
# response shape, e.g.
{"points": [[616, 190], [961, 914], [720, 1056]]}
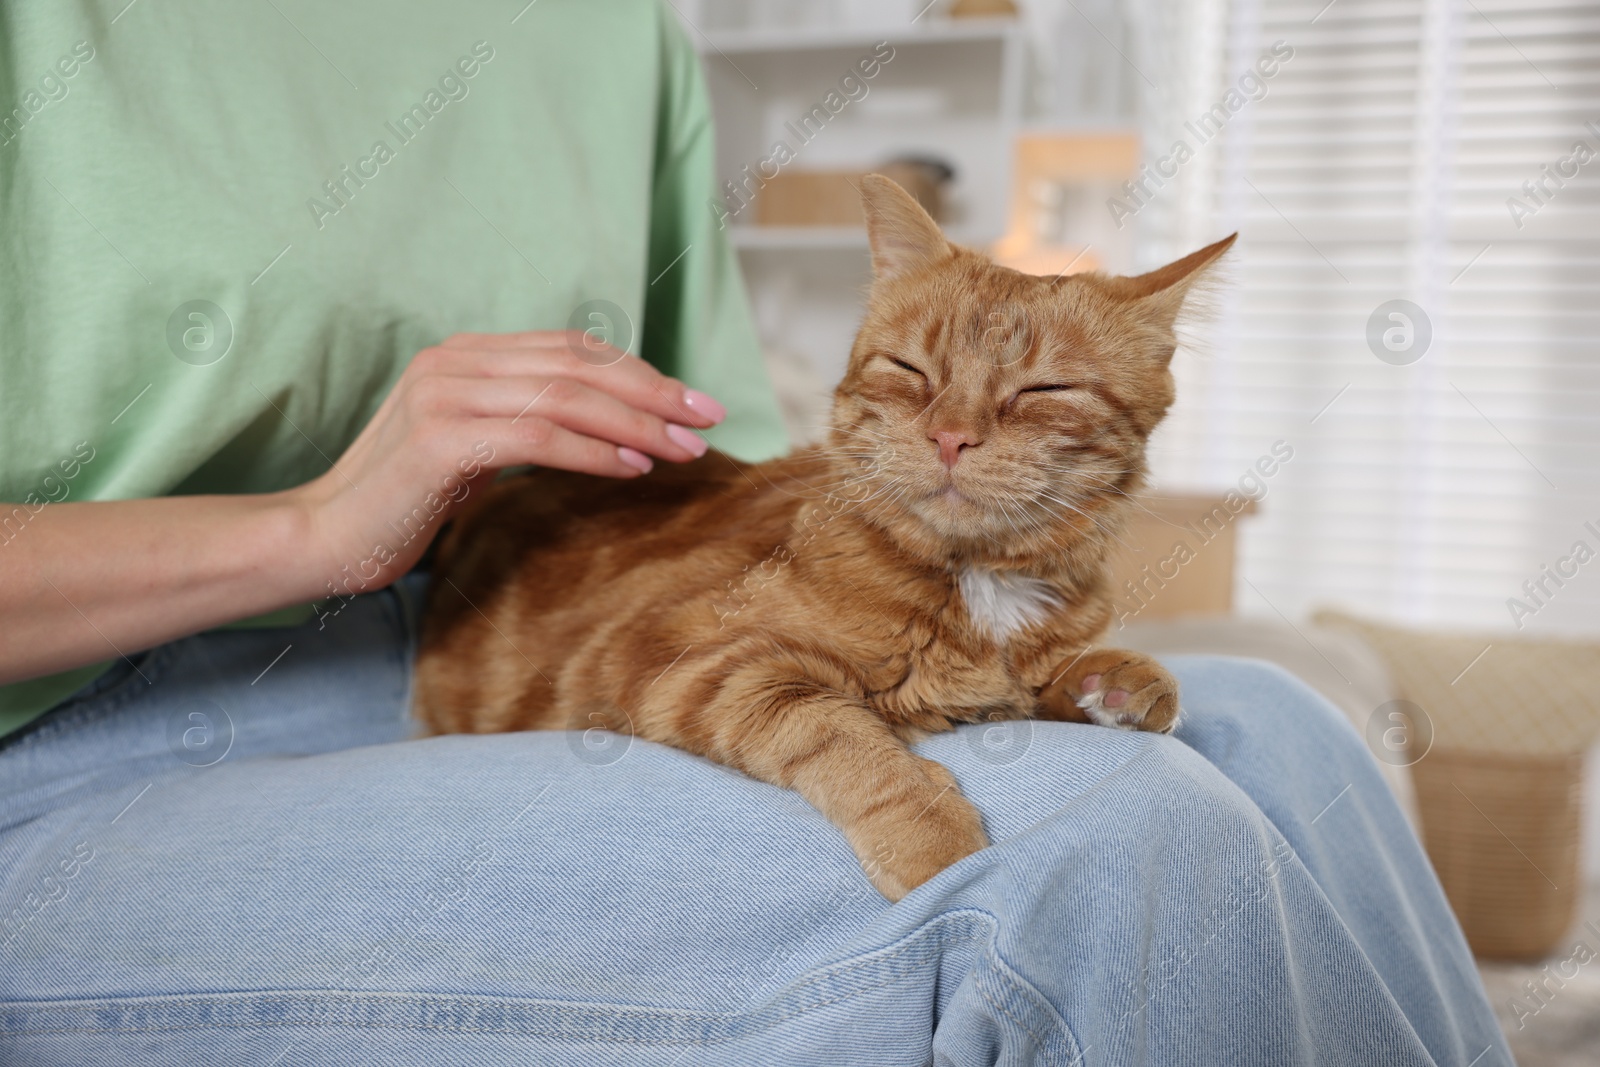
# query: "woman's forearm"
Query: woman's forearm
{"points": [[86, 582]]}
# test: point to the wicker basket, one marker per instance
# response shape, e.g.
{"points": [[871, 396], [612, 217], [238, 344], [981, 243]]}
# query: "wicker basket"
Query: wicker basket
{"points": [[1502, 831]]}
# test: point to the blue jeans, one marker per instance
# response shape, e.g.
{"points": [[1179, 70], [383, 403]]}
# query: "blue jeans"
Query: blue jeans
{"points": [[228, 855]]}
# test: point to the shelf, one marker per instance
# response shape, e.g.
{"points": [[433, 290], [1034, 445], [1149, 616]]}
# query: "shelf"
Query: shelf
{"points": [[1107, 128], [767, 39], [798, 237]]}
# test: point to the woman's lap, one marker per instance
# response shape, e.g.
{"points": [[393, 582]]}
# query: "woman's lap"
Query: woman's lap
{"points": [[280, 882]]}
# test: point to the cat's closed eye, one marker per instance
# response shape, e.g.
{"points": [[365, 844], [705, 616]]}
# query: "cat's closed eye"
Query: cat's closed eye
{"points": [[903, 365], [1047, 387]]}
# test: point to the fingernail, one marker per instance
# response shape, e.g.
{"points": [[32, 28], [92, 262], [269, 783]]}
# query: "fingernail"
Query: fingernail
{"points": [[700, 404], [686, 438], [637, 460], [1091, 682]]}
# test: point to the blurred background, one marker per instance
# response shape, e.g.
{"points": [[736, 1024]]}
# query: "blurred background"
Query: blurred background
{"points": [[1383, 468]]}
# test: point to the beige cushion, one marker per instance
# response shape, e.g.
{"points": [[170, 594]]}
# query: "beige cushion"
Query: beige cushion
{"points": [[1491, 692], [1337, 663]]}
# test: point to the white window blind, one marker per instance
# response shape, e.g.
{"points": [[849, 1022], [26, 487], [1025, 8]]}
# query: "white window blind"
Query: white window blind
{"points": [[1386, 161]]}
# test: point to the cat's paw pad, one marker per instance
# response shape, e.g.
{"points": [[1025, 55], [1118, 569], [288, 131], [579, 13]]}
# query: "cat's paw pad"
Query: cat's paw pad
{"points": [[1124, 691], [1109, 707]]}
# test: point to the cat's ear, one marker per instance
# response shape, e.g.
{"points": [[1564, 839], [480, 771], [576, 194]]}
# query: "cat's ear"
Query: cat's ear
{"points": [[902, 235], [1159, 295]]}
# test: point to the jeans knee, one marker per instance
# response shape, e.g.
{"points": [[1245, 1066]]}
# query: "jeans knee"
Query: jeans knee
{"points": [[1255, 702]]}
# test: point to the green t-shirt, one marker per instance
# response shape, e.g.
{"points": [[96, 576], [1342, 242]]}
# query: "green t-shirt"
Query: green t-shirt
{"points": [[227, 228]]}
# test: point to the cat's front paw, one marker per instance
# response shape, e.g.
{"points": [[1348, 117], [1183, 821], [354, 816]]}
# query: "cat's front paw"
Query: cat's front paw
{"points": [[1116, 688], [906, 844]]}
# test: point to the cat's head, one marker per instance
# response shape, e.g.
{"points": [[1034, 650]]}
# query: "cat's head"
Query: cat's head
{"points": [[1001, 416]]}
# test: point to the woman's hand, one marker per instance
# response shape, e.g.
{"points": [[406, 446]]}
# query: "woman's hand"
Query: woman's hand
{"points": [[477, 403]]}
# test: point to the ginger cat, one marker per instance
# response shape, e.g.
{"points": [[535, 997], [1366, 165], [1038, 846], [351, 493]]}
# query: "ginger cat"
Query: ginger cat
{"points": [[940, 561]]}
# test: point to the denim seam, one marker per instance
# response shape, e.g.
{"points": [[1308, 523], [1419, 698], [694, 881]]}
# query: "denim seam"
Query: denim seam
{"points": [[151, 667], [543, 1031], [620, 1009], [1032, 1002], [402, 652], [864, 963], [1038, 1042]]}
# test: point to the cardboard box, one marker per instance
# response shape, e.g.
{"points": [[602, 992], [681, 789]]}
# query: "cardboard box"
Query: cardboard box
{"points": [[1199, 582], [833, 197]]}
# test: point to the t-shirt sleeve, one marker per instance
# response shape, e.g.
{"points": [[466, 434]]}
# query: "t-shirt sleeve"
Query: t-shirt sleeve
{"points": [[697, 323]]}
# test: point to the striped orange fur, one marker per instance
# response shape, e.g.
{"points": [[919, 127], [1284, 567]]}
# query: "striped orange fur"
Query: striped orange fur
{"points": [[940, 560]]}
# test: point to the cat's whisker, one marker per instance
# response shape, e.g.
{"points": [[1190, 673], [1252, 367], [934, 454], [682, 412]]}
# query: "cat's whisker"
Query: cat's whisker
{"points": [[1134, 501], [861, 431], [1081, 471], [1044, 494], [1093, 520], [826, 489], [1012, 519]]}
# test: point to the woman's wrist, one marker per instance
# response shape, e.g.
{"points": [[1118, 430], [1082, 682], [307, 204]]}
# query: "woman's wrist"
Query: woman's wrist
{"points": [[289, 552]]}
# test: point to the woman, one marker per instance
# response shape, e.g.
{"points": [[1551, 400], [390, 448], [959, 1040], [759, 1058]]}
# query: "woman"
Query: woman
{"points": [[283, 286]]}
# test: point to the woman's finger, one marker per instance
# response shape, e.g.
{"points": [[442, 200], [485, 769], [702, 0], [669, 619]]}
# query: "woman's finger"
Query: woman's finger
{"points": [[576, 355], [545, 443], [567, 402]]}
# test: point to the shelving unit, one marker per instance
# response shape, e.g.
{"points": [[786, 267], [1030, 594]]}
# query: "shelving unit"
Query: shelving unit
{"points": [[959, 90], [952, 90]]}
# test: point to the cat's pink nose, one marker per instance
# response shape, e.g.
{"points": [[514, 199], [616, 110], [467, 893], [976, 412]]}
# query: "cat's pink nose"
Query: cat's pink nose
{"points": [[950, 443]]}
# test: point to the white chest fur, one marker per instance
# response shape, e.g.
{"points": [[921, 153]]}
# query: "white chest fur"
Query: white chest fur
{"points": [[1001, 602]]}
